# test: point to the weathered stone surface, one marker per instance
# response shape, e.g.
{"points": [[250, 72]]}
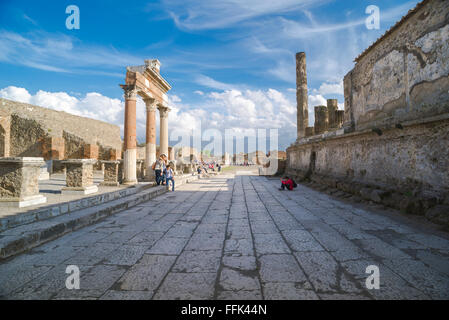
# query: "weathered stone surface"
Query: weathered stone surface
{"points": [[19, 179], [439, 214], [187, 286], [326, 259], [147, 274]]}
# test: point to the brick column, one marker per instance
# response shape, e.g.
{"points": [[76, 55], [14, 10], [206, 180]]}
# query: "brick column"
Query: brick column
{"points": [[150, 147], [163, 137], [79, 177], [19, 186], [130, 152], [301, 95]]}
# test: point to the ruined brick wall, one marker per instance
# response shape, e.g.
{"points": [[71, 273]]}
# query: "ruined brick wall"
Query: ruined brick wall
{"points": [[405, 75], [31, 125]]}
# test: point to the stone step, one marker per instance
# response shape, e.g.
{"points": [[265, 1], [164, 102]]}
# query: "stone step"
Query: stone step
{"points": [[54, 210], [27, 236]]}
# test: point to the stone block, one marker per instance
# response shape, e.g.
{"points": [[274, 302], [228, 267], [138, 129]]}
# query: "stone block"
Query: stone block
{"points": [[79, 177], [19, 185], [111, 173]]}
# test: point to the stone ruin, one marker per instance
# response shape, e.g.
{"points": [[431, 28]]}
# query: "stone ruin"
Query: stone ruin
{"points": [[390, 145]]}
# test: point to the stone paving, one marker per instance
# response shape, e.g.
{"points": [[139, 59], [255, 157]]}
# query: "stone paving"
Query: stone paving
{"points": [[237, 237]]}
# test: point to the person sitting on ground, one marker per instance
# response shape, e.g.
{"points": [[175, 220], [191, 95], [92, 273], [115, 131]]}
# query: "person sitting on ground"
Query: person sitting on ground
{"points": [[286, 183]]}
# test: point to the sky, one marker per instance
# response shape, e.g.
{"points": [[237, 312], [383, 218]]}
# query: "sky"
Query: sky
{"points": [[231, 63]]}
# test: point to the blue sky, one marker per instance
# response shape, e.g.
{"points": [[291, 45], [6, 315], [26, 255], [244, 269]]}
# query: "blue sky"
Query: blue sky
{"points": [[231, 63]]}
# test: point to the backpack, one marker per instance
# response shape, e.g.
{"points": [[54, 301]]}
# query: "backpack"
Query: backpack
{"points": [[153, 166], [294, 184]]}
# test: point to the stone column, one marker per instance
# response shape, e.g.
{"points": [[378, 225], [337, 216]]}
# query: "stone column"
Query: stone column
{"points": [[111, 173], [301, 94], [339, 118], [19, 186], [150, 147], [163, 137], [321, 119], [130, 153], [332, 108], [79, 177]]}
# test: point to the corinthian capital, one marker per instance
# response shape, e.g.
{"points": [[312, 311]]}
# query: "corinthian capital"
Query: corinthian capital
{"points": [[130, 92], [151, 104], [163, 110]]}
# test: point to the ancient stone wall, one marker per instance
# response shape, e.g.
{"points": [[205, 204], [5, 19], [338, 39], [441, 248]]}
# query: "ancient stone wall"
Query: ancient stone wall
{"points": [[405, 75], [394, 148], [31, 126], [412, 161], [5, 128], [26, 137]]}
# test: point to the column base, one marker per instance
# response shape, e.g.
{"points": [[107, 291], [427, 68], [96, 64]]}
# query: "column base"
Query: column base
{"points": [[22, 203], [130, 183], [78, 191], [109, 184]]}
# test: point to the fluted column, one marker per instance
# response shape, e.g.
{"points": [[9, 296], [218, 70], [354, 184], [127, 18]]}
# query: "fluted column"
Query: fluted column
{"points": [[130, 153], [150, 146], [163, 137]]}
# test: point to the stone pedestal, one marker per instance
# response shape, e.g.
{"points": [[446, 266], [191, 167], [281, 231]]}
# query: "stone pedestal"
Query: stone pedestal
{"points": [[111, 173], [79, 177], [44, 173], [19, 186]]}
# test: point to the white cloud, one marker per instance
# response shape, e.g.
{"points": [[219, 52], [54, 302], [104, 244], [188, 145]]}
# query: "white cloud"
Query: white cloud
{"points": [[16, 94], [212, 83], [92, 105], [202, 15], [331, 88], [199, 92], [61, 53]]}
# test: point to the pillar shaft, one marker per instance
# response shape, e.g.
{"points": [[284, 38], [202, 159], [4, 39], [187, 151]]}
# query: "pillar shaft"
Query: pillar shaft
{"points": [[163, 113], [130, 153], [150, 146], [301, 94]]}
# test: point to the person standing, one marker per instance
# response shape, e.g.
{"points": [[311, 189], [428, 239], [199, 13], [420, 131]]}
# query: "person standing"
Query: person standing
{"points": [[169, 177], [158, 169]]}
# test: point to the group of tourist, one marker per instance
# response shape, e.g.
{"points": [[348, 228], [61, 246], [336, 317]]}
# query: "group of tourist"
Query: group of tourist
{"points": [[203, 167], [164, 172]]}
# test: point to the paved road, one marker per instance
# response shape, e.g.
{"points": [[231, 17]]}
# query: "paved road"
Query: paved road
{"points": [[236, 238]]}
